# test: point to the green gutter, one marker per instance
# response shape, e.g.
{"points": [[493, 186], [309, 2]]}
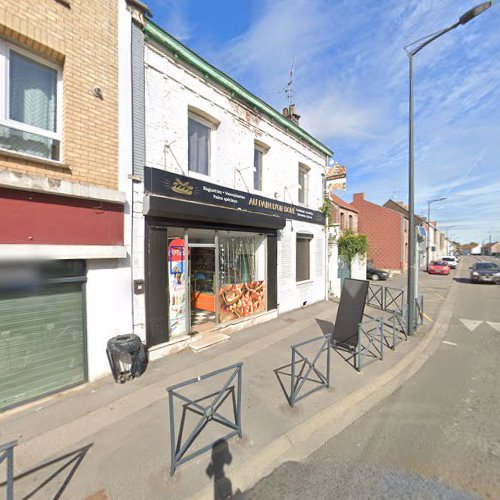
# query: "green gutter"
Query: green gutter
{"points": [[160, 36]]}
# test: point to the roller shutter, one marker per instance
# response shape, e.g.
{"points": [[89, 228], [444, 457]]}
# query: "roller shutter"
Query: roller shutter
{"points": [[42, 340]]}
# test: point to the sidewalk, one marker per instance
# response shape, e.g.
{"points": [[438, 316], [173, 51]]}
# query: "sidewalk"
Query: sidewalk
{"points": [[114, 439]]}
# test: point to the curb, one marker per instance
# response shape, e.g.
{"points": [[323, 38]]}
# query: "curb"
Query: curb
{"points": [[307, 437]]}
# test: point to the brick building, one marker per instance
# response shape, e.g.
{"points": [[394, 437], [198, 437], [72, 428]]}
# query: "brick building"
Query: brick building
{"points": [[64, 279], [386, 231], [343, 214]]}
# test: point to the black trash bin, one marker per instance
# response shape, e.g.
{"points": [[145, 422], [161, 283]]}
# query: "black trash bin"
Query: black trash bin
{"points": [[127, 357]]}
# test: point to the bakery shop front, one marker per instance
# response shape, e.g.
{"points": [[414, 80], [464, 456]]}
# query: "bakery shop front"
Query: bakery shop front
{"points": [[211, 254]]}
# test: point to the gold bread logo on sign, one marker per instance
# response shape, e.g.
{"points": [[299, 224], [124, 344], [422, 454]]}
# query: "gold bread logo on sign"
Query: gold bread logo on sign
{"points": [[182, 187]]}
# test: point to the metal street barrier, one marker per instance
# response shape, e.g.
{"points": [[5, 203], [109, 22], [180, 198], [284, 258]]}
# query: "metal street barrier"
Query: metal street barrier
{"points": [[375, 296], [419, 308], [7, 453], [207, 413], [393, 299], [399, 326], [385, 298], [298, 381], [373, 331]]}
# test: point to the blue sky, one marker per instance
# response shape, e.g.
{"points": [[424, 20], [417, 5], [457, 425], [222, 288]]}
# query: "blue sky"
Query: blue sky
{"points": [[351, 88]]}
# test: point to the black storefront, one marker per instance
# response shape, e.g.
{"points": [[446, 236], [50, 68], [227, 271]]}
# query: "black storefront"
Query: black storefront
{"points": [[211, 253]]}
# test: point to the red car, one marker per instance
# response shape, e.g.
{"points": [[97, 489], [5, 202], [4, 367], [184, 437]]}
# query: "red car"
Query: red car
{"points": [[439, 267]]}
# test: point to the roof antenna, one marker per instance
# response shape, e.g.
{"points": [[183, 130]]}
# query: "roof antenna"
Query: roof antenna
{"points": [[289, 86]]}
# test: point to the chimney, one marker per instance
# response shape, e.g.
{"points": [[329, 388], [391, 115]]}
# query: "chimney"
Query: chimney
{"points": [[358, 197], [291, 114], [294, 117]]}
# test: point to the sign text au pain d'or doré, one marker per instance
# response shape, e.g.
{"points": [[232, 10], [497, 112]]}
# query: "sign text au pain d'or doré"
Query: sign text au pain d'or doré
{"points": [[178, 186]]}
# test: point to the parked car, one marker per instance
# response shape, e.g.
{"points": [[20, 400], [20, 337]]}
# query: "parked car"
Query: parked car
{"points": [[485, 272], [452, 261], [439, 267], [374, 274]]}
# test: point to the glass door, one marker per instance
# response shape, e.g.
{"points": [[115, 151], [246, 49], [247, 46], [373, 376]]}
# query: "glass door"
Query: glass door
{"points": [[202, 279]]}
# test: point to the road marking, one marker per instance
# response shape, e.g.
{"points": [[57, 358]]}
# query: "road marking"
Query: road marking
{"points": [[471, 324], [447, 342], [428, 318], [494, 325]]}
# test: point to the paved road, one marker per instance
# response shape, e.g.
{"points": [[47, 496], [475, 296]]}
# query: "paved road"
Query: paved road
{"points": [[437, 437]]}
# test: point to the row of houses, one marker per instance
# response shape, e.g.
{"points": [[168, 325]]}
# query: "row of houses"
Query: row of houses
{"points": [[142, 190], [386, 227]]}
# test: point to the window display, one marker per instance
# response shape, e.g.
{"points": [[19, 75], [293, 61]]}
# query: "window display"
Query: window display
{"points": [[242, 285]]}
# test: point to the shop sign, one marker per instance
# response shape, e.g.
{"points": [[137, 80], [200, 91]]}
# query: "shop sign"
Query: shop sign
{"points": [[165, 183], [336, 176]]}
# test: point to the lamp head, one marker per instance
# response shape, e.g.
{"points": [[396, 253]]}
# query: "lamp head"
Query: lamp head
{"points": [[474, 12]]}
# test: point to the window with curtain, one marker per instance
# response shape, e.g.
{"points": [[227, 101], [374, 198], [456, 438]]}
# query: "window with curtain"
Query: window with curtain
{"points": [[199, 146], [29, 119]]}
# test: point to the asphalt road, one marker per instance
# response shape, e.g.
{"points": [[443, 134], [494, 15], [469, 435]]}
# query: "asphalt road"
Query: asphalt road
{"points": [[437, 437]]}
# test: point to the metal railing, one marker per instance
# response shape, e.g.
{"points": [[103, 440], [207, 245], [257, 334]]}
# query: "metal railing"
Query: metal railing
{"points": [[385, 298], [375, 297], [7, 453], [298, 381], [373, 331], [393, 299], [419, 309], [399, 326], [207, 413]]}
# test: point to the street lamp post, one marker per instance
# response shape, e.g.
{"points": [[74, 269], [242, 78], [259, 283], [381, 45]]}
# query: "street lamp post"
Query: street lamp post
{"points": [[412, 49], [429, 230]]}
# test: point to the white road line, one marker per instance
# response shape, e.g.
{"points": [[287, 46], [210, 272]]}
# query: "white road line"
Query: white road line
{"points": [[494, 325], [471, 324], [447, 342]]}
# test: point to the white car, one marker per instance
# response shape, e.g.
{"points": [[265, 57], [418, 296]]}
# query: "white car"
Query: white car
{"points": [[451, 260]]}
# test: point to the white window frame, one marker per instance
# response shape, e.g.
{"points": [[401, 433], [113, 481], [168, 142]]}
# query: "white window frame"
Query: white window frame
{"points": [[305, 189], [211, 137], [5, 49], [262, 151]]}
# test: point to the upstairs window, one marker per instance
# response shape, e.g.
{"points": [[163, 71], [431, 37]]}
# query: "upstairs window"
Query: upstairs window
{"points": [[199, 132], [303, 194], [30, 107], [351, 223], [257, 164]]}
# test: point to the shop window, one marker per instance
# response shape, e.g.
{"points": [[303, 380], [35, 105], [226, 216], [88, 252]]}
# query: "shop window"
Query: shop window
{"points": [[303, 185], [199, 131], [242, 284], [30, 107], [303, 258]]}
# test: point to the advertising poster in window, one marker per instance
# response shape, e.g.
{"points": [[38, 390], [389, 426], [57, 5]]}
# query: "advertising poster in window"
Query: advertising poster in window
{"points": [[242, 290], [177, 272]]}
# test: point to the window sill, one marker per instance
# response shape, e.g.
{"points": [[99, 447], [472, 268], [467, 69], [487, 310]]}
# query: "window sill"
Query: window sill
{"points": [[304, 282], [35, 159]]}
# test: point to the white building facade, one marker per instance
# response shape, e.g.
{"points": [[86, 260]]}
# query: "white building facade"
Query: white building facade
{"points": [[227, 230]]}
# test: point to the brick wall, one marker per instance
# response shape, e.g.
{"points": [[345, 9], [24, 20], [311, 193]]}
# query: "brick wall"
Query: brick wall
{"points": [[384, 230], [83, 38]]}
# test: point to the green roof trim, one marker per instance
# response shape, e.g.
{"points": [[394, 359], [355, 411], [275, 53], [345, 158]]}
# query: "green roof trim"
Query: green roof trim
{"points": [[154, 32]]}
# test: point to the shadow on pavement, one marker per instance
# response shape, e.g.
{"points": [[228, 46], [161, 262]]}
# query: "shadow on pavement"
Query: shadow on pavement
{"points": [[221, 456], [66, 471]]}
